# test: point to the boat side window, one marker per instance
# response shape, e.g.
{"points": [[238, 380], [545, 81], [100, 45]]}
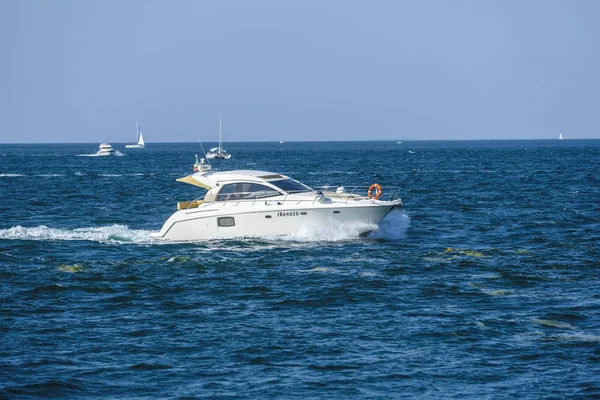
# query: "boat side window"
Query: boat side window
{"points": [[291, 186], [239, 191], [258, 191]]}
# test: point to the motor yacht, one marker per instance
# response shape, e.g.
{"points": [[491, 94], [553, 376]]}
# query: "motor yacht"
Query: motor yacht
{"points": [[106, 150], [249, 203]]}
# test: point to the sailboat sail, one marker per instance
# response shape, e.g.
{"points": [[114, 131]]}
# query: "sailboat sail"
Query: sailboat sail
{"points": [[140, 141], [140, 136]]}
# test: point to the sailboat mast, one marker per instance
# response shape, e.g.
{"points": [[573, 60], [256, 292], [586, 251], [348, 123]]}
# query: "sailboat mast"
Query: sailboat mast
{"points": [[220, 134]]}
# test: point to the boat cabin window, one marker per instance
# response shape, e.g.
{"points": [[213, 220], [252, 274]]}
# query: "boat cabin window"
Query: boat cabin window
{"points": [[291, 186], [225, 221], [244, 191]]}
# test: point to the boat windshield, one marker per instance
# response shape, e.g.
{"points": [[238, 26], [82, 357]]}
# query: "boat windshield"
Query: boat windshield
{"points": [[291, 186]]}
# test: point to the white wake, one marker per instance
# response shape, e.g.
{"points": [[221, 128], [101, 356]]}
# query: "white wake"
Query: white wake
{"points": [[105, 234], [393, 227], [99, 154], [332, 232]]}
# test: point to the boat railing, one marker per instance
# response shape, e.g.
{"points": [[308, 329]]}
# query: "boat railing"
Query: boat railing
{"points": [[349, 193], [389, 193]]}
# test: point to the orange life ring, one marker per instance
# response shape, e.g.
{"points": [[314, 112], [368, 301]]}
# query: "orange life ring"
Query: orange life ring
{"points": [[378, 191]]}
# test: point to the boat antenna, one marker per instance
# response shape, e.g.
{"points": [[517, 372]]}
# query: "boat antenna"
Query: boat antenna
{"points": [[203, 152]]}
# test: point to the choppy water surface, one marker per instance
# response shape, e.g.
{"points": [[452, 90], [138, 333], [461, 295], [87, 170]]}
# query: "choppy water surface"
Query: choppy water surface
{"points": [[486, 285]]}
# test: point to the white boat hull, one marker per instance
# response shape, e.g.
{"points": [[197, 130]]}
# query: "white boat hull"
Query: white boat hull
{"points": [[270, 219], [221, 156], [134, 146]]}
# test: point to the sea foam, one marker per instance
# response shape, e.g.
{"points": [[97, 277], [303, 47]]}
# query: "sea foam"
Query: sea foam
{"points": [[333, 232], [112, 234], [393, 227]]}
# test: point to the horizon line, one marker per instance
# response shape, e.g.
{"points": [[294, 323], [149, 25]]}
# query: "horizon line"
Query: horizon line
{"points": [[320, 141]]}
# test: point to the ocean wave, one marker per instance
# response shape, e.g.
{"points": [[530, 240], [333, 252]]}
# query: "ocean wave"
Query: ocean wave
{"points": [[20, 175], [122, 175], [105, 234]]}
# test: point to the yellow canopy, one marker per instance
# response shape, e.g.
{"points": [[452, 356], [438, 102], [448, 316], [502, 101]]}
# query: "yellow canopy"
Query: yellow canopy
{"points": [[189, 179]]}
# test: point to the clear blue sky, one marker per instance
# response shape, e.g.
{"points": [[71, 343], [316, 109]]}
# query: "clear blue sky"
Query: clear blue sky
{"points": [[84, 71]]}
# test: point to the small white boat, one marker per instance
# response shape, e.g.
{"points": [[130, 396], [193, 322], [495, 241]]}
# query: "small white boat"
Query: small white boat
{"points": [[248, 203], [140, 143], [202, 165], [219, 152], [560, 137], [106, 150]]}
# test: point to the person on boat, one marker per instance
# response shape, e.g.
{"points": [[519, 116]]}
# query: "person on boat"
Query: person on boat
{"points": [[237, 192], [196, 164]]}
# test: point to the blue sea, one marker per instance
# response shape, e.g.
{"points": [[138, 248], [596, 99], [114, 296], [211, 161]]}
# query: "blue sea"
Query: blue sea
{"points": [[485, 285]]}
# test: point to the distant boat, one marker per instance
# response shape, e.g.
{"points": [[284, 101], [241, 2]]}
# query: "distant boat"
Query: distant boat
{"points": [[560, 137], [281, 141], [106, 150], [219, 152], [140, 143], [398, 142]]}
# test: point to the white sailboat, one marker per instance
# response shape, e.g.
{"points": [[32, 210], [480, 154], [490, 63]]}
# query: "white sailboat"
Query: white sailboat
{"points": [[560, 137], [219, 152], [140, 143]]}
